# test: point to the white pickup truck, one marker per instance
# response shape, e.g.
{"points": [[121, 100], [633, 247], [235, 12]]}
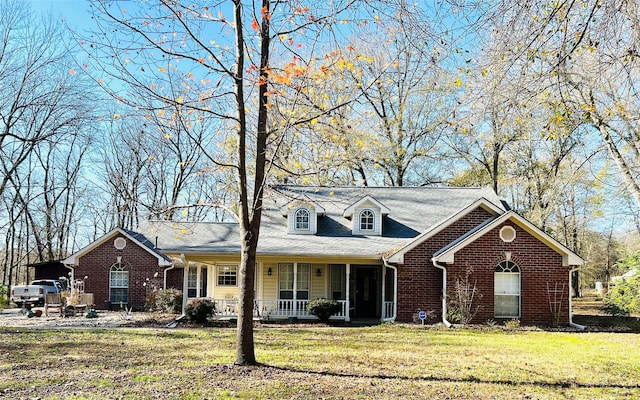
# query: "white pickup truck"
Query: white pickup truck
{"points": [[34, 293]]}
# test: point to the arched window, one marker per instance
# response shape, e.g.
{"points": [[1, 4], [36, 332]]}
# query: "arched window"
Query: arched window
{"points": [[302, 219], [367, 220], [507, 290], [119, 284]]}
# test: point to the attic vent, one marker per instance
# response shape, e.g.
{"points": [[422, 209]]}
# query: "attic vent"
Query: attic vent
{"points": [[507, 234], [120, 243]]}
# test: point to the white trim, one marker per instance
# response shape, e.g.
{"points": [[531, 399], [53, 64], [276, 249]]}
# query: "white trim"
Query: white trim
{"points": [[568, 257], [217, 273], [373, 222], [398, 255], [349, 211], [295, 219], [300, 203], [497, 274], [507, 234]]}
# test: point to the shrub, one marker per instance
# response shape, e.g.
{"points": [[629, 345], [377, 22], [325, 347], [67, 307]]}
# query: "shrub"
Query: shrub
{"points": [[164, 300], [623, 299], [460, 300], [323, 308], [512, 324], [199, 310], [4, 296]]}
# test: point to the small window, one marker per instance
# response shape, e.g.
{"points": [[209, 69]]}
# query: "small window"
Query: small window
{"points": [[507, 234], [227, 275], [507, 290], [192, 282], [367, 220], [302, 219], [119, 284]]}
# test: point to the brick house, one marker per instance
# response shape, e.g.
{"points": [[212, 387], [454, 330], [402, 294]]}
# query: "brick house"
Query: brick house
{"points": [[121, 268], [382, 253]]}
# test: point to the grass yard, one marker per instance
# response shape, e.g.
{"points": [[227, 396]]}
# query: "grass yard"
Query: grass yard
{"points": [[303, 362]]}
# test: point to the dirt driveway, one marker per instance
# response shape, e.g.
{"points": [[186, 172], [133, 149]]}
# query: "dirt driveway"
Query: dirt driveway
{"points": [[13, 317]]}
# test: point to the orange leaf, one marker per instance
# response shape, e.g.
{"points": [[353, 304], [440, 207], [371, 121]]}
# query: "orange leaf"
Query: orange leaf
{"points": [[254, 25], [72, 71]]}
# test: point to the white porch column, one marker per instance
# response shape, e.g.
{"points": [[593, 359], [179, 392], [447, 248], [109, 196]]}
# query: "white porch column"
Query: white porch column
{"points": [[198, 280], [348, 274], [295, 282], [185, 284]]}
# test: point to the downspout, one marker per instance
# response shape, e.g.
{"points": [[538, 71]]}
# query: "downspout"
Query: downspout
{"points": [[395, 289], [444, 293], [164, 283], [571, 323]]}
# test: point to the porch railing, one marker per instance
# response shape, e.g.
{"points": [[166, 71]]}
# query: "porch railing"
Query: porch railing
{"points": [[274, 309], [388, 310]]}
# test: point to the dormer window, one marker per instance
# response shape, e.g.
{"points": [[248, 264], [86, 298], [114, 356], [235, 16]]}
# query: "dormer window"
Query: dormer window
{"points": [[366, 216], [302, 216], [367, 220]]}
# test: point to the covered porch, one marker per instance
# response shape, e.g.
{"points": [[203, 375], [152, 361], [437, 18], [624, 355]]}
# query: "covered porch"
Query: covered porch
{"points": [[283, 289]]}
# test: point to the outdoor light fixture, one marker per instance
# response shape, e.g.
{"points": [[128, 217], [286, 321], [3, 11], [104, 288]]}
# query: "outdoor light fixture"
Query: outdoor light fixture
{"points": [[318, 272], [269, 271]]}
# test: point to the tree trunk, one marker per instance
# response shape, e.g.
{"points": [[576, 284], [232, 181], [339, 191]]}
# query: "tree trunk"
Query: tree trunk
{"points": [[250, 214]]}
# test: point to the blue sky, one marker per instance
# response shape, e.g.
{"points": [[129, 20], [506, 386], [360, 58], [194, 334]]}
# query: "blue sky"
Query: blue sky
{"points": [[74, 12]]}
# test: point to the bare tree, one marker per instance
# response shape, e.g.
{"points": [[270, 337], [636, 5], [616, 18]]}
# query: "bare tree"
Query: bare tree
{"points": [[44, 109], [228, 49], [580, 60]]}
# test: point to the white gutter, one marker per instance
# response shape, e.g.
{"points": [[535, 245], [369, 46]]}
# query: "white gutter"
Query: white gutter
{"points": [[444, 293], [571, 323], [395, 290]]}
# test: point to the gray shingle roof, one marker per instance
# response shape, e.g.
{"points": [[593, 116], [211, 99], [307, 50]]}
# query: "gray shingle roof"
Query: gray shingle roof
{"points": [[413, 210]]}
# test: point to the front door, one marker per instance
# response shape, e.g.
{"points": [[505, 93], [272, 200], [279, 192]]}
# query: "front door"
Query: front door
{"points": [[366, 292]]}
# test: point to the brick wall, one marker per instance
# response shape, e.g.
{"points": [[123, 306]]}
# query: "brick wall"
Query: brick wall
{"points": [[419, 282], [144, 272], [541, 270], [175, 278]]}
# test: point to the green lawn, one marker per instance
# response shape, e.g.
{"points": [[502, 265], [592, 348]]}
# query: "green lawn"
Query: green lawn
{"points": [[389, 361]]}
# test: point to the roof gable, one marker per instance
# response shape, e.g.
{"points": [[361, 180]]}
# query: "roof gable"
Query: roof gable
{"points": [[447, 254], [298, 203], [397, 256], [366, 201], [139, 239]]}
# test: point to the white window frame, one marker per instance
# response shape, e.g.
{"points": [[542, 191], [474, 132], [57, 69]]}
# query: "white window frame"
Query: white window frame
{"points": [[291, 279], [226, 273], [507, 270], [364, 225], [301, 224], [118, 279]]}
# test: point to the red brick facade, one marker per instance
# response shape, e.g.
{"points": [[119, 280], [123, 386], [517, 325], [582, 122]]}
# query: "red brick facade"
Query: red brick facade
{"points": [[419, 282], [144, 272], [544, 280]]}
